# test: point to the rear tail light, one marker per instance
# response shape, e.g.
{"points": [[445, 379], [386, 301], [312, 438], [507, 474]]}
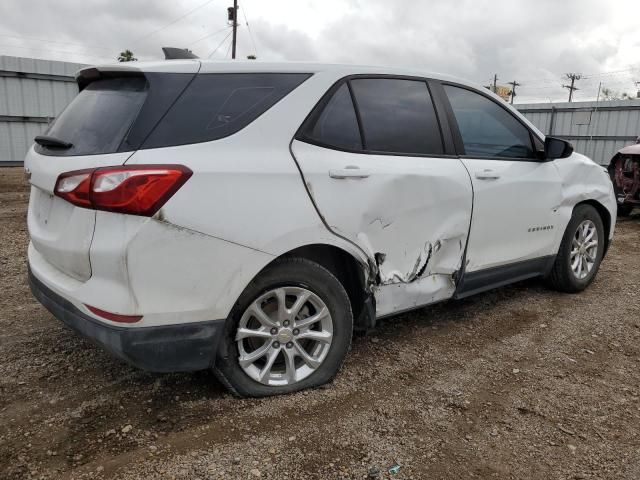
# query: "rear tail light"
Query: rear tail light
{"points": [[74, 187], [135, 190]]}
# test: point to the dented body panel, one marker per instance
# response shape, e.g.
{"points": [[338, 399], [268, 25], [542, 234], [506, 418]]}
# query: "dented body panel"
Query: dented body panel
{"points": [[413, 225], [410, 216], [583, 180]]}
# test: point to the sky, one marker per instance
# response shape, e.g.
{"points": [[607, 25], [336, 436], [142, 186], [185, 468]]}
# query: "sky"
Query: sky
{"points": [[532, 42]]}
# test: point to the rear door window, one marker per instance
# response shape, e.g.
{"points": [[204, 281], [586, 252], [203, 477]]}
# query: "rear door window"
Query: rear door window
{"points": [[397, 116], [487, 129], [99, 117], [337, 124], [217, 105]]}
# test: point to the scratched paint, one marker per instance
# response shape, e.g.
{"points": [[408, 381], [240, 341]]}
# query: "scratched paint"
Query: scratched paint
{"points": [[410, 217]]}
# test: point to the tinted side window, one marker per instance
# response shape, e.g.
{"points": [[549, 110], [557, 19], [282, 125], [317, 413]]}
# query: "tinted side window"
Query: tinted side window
{"points": [[487, 129], [337, 124], [98, 118], [397, 116], [220, 104]]}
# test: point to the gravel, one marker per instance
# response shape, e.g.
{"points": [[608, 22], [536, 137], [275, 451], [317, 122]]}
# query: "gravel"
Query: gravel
{"points": [[520, 382]]}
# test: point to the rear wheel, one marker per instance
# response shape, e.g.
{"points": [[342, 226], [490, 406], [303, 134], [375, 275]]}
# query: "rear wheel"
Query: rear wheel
{"points": [[290, 329], [580, 252]]}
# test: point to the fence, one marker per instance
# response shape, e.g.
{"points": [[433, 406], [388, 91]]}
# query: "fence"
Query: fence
{"points": [[596, 129], [32, 92]]}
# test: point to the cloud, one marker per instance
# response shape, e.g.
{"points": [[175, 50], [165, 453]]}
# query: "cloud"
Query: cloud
{"points": [[534, 43]]}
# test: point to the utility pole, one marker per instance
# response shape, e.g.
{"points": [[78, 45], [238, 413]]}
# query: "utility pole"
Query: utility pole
{"points": [[233, 17], [495, 83], [573, 77], [514, 84]]}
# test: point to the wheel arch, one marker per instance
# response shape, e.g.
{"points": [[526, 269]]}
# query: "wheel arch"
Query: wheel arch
{"points": [[348, 270]]}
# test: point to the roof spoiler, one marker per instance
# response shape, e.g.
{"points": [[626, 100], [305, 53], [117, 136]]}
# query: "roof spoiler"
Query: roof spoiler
{"points": [[90, 74], [172, 53]]}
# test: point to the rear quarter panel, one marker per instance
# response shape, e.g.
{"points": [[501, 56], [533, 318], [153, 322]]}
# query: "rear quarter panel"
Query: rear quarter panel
{"points": [[245, 205]]}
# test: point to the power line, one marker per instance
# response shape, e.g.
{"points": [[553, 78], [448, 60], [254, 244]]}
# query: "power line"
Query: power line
{"points": [[573, 77], [535, 83], [228, 48], [216, 49], [210, 35], [255, 50], [172, 22], [602, 74], [67, 52], [55, 41], [514, 84]]}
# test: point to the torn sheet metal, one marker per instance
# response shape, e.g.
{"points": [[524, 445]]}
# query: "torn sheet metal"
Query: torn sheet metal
{"points": [[420, 275], [410, 216], [394, 298]]}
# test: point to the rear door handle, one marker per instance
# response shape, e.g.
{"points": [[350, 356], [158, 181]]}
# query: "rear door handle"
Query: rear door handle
{"points": [[350, 171], [487, 174]]}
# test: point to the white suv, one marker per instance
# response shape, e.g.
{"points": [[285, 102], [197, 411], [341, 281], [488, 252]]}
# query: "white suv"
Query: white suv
{"points": [[248, 216]]}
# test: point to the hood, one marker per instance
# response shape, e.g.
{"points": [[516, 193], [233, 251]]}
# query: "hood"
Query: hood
{"points": [[631, 150]]}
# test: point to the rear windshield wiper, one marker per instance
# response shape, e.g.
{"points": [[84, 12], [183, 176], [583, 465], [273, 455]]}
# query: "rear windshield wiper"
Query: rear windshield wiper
{"points": [[52, 142]]}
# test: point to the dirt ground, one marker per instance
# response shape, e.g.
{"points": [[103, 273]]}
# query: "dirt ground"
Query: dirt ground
{"points": [[521, 382]]}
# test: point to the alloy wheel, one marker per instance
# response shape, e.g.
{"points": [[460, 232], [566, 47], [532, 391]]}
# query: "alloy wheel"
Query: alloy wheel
{"points": [[584, 249], [284, 336]]}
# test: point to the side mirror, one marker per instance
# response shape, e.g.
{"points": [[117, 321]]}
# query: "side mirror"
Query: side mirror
{"points": [[556, 148]]}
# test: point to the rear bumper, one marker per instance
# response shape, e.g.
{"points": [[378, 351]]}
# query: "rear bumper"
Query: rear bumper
{"points": [[167, 348]]}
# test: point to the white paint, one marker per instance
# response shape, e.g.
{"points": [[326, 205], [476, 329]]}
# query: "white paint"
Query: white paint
{"points": [[583, 179], [247, 204], [517, 197], [407, 205], [59, 230]]}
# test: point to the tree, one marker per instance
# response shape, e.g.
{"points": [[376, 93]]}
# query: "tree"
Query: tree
{"points": [[607, 94], [127, 56], [251, 57]]}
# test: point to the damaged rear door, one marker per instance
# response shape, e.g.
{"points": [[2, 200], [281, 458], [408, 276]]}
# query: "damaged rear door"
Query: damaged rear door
{"points": [[383, 176]]}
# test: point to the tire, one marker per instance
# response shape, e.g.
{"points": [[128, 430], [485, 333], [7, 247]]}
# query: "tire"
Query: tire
{"points": [[291, 279], [562, 276], [624, 210]]}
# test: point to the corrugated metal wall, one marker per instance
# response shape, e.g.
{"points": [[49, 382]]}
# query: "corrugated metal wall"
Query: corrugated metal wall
{"points": [[32, 92], [596, 129]]}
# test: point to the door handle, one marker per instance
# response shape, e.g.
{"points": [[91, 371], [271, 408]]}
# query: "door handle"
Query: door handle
{"points": [[487, 174], [350, 171]]}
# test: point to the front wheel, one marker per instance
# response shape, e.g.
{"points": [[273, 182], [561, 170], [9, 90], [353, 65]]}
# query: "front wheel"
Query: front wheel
{"points": [[580, 252], [290, 329]]}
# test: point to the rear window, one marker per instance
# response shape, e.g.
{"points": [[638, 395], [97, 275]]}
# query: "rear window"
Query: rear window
{"points": [[220, 104], [97, 120]]}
